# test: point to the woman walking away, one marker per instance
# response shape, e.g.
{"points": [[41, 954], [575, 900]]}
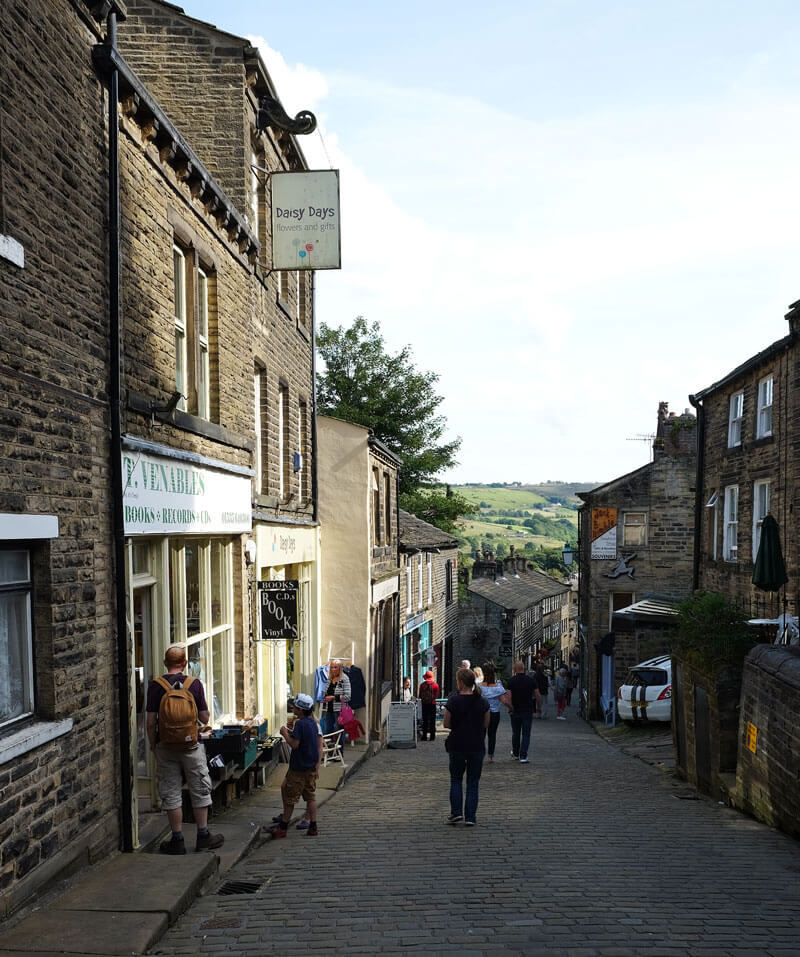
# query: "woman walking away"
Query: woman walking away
{"points": [[478, 672], [466, 715], [336, 694], [561, 693], [543, 686], [428, 693], [492, 689]]}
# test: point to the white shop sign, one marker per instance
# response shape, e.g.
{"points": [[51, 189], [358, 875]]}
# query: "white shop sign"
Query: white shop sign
{"points": [[401, 725], [306, 220], [165, 496], [381, 590]]}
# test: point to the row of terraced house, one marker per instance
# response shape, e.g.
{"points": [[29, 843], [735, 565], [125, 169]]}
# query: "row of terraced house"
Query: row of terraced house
{"points": [[691, 520], [163, 474]]}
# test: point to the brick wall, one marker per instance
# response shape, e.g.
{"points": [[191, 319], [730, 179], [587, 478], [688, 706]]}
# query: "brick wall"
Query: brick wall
{"points": [[768, 774], [59, 800]]}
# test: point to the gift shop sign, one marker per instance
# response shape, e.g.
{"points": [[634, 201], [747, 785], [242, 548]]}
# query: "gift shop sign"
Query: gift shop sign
{"points": [[165, 496], [604, 533], [305, 220]]}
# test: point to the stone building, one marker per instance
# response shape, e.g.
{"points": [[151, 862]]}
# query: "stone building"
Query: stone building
{"points": [[428, 603], [360, 559], [59, 691], [635, 542], [730, 723], [157, 413], [512, 611]]}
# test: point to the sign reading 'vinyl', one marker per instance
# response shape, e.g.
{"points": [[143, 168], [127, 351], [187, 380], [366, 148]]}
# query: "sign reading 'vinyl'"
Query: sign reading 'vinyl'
{"points": [[277, 602], [305, 220]]}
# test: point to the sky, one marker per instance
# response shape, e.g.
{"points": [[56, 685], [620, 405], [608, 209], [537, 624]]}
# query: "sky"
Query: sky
{"points": [[571, 210]]}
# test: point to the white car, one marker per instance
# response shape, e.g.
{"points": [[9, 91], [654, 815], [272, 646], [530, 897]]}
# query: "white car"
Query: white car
{"points": [[647, 692]]}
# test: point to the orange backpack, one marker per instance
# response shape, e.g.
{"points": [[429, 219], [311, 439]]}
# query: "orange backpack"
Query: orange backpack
{"points": [[177, 715]]}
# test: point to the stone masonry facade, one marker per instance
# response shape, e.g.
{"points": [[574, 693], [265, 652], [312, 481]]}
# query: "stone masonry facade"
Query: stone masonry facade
{"points": [[59, 797], [664, 493]]}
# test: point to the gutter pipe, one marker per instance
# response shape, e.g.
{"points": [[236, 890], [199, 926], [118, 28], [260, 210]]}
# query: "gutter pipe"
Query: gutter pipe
{"points": [[698, 490], [115, 399]]}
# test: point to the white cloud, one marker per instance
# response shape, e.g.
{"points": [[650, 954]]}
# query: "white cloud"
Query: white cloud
{"points": [[626, 254]]}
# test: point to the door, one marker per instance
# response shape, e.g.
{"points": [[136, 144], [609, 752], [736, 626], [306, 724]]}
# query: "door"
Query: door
{"points": [[142, 642]]}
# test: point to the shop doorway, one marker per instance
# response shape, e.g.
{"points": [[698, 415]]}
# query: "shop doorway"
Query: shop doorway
{"points": [[143, 645]]}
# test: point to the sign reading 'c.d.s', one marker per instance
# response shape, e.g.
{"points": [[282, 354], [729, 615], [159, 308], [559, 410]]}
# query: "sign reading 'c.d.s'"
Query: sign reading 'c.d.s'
{"points": [[277, 601]]}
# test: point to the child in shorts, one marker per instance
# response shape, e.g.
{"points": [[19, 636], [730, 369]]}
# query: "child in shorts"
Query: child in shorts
{"points": [[301, 777]]}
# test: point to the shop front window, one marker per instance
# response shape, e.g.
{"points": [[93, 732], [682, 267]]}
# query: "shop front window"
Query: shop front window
{"points": [[201, 616]]}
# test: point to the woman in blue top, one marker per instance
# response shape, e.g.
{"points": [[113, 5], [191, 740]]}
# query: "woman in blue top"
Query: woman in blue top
{"points": [[466, 715], [492, 689]]}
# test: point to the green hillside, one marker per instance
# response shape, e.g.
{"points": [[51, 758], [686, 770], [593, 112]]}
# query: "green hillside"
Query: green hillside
{"points": [[536, 519]]}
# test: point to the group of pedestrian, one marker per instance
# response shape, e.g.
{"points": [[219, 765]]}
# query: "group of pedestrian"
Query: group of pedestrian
{"points": [[472, 715]]}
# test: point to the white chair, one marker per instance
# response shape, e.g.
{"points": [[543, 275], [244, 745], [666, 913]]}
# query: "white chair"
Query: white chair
{"points": [[332, 748]]}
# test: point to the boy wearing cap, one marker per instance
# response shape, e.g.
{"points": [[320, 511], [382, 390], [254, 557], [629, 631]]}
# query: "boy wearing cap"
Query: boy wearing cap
{"points": [[301, 778]]}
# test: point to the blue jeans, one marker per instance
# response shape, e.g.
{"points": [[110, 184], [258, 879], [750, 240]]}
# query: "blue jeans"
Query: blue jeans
{"points": [[521, 725], [328, 722], [472, 764]]}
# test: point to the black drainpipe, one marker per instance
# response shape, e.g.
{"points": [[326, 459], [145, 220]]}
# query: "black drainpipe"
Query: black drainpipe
{"points": [[698, 491], [115, 397]]}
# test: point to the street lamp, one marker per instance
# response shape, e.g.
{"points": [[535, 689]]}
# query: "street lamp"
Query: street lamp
{"points": [[567, 554]]}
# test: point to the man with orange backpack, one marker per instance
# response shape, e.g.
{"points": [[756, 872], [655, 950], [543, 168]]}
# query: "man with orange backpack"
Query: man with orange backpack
{"points": [[175, 703]]}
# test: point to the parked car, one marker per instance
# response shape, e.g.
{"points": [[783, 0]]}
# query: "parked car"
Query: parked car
{"points": [[647, 692]]}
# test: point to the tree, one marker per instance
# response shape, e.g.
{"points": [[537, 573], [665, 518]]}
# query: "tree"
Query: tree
{"points": [[440, 508], [363, 383]]}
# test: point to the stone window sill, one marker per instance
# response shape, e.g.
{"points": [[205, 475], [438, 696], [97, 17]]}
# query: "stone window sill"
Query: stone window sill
{"points": [[32, 736], [13, 251]]}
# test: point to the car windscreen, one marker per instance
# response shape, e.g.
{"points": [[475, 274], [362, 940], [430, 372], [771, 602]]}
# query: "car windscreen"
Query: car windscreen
{"points": [[647, 677]]}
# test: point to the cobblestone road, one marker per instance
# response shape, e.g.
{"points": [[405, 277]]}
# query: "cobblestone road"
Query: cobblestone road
{"points": [[585, 851]]}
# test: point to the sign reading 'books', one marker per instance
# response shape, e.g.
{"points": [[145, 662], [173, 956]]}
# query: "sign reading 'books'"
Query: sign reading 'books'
{"points": [[277, 602]]}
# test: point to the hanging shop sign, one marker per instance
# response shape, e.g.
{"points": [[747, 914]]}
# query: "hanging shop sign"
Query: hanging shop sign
{"points": [[167, 496], [306, 226], [604, 533], [277, 603]]}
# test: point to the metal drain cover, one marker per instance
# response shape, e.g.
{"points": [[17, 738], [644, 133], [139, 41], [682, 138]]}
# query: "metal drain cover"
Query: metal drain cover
{"points": [[239, 887]]}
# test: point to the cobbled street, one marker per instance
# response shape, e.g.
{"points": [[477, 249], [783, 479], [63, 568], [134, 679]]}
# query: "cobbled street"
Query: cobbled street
{"points": [[585, 851]]}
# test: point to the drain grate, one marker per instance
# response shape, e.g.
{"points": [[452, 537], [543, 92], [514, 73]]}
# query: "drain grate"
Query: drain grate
{"points": [[239, 887]]}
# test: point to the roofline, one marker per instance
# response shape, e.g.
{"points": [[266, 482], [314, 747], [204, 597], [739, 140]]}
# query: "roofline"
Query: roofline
{"points": [[760, 357], [621, 478]]}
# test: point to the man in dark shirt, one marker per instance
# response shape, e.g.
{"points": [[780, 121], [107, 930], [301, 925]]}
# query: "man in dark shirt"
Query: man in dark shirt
{"points": [[171, 764], [523, 704]]}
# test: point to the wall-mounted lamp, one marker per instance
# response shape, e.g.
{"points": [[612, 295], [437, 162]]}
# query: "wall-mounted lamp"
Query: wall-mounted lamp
{"points": [[567, 554]]}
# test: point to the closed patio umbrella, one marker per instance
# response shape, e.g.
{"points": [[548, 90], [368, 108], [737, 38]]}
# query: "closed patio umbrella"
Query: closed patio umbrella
{"points": [[769, 571]]}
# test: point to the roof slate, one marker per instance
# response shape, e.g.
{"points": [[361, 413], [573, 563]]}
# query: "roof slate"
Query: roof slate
{"points": [[414, 533], [517, 592]]}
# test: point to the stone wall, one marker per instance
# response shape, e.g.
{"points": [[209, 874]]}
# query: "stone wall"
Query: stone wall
{"points": [[59, 799], [768, 770]]}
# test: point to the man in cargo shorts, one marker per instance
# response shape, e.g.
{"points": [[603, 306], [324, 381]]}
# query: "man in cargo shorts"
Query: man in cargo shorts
{"points": [[305, 740], [170, 762]]}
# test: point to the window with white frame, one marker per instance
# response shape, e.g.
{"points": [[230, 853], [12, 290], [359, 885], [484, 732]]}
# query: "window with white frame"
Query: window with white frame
{"points": [[764, 416], [283, 440], [387, 506], [181, 359], [713, 524], [376, 508], [258, 426], [419, 579], [448, 581], [735, 415], [201, 616], [760, 509], [203, 365], [16, 636], [429, 563], [730, 537], [195, 339], [408, 584], [634, 528]]}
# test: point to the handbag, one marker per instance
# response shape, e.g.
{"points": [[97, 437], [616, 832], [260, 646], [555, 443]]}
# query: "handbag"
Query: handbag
{"points": [[346, 715]]}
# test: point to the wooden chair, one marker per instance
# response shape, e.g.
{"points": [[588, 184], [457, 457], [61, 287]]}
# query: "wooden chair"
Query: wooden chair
{"points": [[332, 748]]}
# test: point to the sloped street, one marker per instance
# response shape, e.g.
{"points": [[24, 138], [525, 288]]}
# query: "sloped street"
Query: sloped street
{"points": [[585, 851]]}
